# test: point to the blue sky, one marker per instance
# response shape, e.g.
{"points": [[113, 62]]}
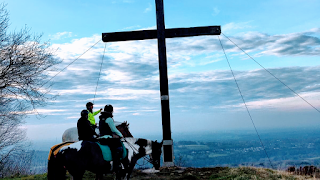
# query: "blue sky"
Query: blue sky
{"points": [[283, 36]]}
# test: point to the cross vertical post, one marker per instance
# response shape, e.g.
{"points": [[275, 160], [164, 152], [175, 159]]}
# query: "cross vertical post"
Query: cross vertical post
{"points": [[164, 87]]}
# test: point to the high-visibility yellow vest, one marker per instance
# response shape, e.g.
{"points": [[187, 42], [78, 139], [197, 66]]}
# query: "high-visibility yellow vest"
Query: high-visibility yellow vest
{"points": [[91, 117]]}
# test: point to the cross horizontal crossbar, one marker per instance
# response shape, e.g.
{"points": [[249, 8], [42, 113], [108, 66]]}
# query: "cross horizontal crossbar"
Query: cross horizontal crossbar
{"points": [[152, 34]]}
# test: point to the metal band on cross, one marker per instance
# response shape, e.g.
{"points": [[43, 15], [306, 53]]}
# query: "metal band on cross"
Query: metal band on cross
{"points": [[161, 34]]}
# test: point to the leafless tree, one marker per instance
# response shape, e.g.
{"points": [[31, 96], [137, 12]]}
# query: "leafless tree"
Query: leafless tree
{"points": [[24, 66]]}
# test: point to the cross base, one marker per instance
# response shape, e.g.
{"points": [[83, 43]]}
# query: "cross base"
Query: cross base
{"points": [[168, 164]]}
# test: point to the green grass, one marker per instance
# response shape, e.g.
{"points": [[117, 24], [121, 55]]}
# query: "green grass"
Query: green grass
{"points": [[217, 173], [248, 173], [31, 177]]}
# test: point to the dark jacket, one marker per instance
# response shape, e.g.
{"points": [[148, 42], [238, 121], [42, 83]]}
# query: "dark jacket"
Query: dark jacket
{"points": [[103, 126], [85, 131]]}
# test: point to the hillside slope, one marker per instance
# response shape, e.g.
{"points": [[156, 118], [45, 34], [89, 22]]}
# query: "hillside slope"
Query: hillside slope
{"points": [[216, 173]]}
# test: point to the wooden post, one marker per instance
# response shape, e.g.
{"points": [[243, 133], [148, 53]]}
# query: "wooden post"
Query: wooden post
{"points": [[164, 87]]}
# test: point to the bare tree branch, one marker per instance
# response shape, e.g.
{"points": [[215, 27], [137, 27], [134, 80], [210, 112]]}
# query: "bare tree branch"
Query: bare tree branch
{"points": [[24, 62]]}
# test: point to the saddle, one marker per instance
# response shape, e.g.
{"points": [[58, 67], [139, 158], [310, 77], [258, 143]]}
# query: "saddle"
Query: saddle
{"points": [[106, 152], [55, 149]]}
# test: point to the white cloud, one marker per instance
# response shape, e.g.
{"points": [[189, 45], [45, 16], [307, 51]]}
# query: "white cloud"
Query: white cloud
{"points": [[148, 9], [61, 35], [75, 90], [130, 72], [230, 27], [216, 11], [73, 117], [118, 76], [70, 51], [129, 94], [294, 103], [46, 111], [288, 104], [131, 27]]}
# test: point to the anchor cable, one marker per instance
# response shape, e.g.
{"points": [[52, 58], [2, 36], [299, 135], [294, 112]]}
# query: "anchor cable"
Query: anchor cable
{"points": [[272, 74], [70, 63], [245, 103], [99, 72]]}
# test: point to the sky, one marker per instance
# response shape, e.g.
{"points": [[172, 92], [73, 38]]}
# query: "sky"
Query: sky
{"points": [[281, 36]]}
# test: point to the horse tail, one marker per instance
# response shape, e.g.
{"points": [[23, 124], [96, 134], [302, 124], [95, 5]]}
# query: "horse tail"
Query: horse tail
{"points": [[56, 170]]}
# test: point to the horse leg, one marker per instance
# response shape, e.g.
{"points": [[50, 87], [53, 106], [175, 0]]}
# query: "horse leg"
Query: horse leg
{"points": [[130, 167], [124, 170], [76, 175], [118, 175], [99, 176]]}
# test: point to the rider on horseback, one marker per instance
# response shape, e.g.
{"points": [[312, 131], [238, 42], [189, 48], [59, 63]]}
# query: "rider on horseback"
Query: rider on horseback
{"points": [[85, 131], [91, 114], [110, 135]]}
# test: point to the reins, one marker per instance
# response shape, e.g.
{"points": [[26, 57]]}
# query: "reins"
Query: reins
{"points": [[135, 149]]}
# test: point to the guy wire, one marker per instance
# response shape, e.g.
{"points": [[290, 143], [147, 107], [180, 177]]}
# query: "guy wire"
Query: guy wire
{"points": [[272, 74], [245, 103], [105, 45], [70, 63]]}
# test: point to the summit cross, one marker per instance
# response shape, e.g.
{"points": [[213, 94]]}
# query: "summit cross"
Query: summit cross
{"points": [[161, 34]]}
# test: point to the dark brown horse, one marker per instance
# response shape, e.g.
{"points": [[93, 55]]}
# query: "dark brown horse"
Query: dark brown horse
{"points": [[81, 156], [124, 129]]}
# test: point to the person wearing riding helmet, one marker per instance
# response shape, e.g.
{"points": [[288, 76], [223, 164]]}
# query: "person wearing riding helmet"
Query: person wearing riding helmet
{"points": [[91, 114], [110, 135], [85, 131]]}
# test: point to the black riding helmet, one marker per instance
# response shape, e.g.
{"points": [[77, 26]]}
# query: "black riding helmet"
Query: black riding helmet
{"points": [[108, 108], [89, 104], [84, 113]]}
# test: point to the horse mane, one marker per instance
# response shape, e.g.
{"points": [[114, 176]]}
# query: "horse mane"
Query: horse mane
{"points": [[125, 123]]}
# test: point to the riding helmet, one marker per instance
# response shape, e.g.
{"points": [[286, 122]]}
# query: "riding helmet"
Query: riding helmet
{"points": [[84, 113], [89, 104], [108, 108]]}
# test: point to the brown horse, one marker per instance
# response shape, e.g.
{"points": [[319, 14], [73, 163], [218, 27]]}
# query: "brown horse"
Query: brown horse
{"points": [[71, 134], [124, 129]]}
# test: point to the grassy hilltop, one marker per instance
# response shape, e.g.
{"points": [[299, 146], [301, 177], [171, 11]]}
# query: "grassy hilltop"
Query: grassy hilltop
{"points": [[216, 173]]}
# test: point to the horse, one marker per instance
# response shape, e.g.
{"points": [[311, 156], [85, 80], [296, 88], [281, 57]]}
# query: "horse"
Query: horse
{"points": [[71, 134], [80, 156]]}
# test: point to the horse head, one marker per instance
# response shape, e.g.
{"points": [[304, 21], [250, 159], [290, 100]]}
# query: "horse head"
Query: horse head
{"points": [[138, 148], [124, 129], [156, 154]]}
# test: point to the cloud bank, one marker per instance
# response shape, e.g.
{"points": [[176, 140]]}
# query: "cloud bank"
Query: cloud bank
{"points": [[129, 78]]}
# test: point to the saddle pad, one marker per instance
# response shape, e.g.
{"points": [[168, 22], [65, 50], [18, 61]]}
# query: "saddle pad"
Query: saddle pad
{"points": [[106, 152], [55, 149]]}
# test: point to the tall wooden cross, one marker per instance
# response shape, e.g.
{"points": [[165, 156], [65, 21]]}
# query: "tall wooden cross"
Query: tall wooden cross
{"points": [[161, 33]]}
